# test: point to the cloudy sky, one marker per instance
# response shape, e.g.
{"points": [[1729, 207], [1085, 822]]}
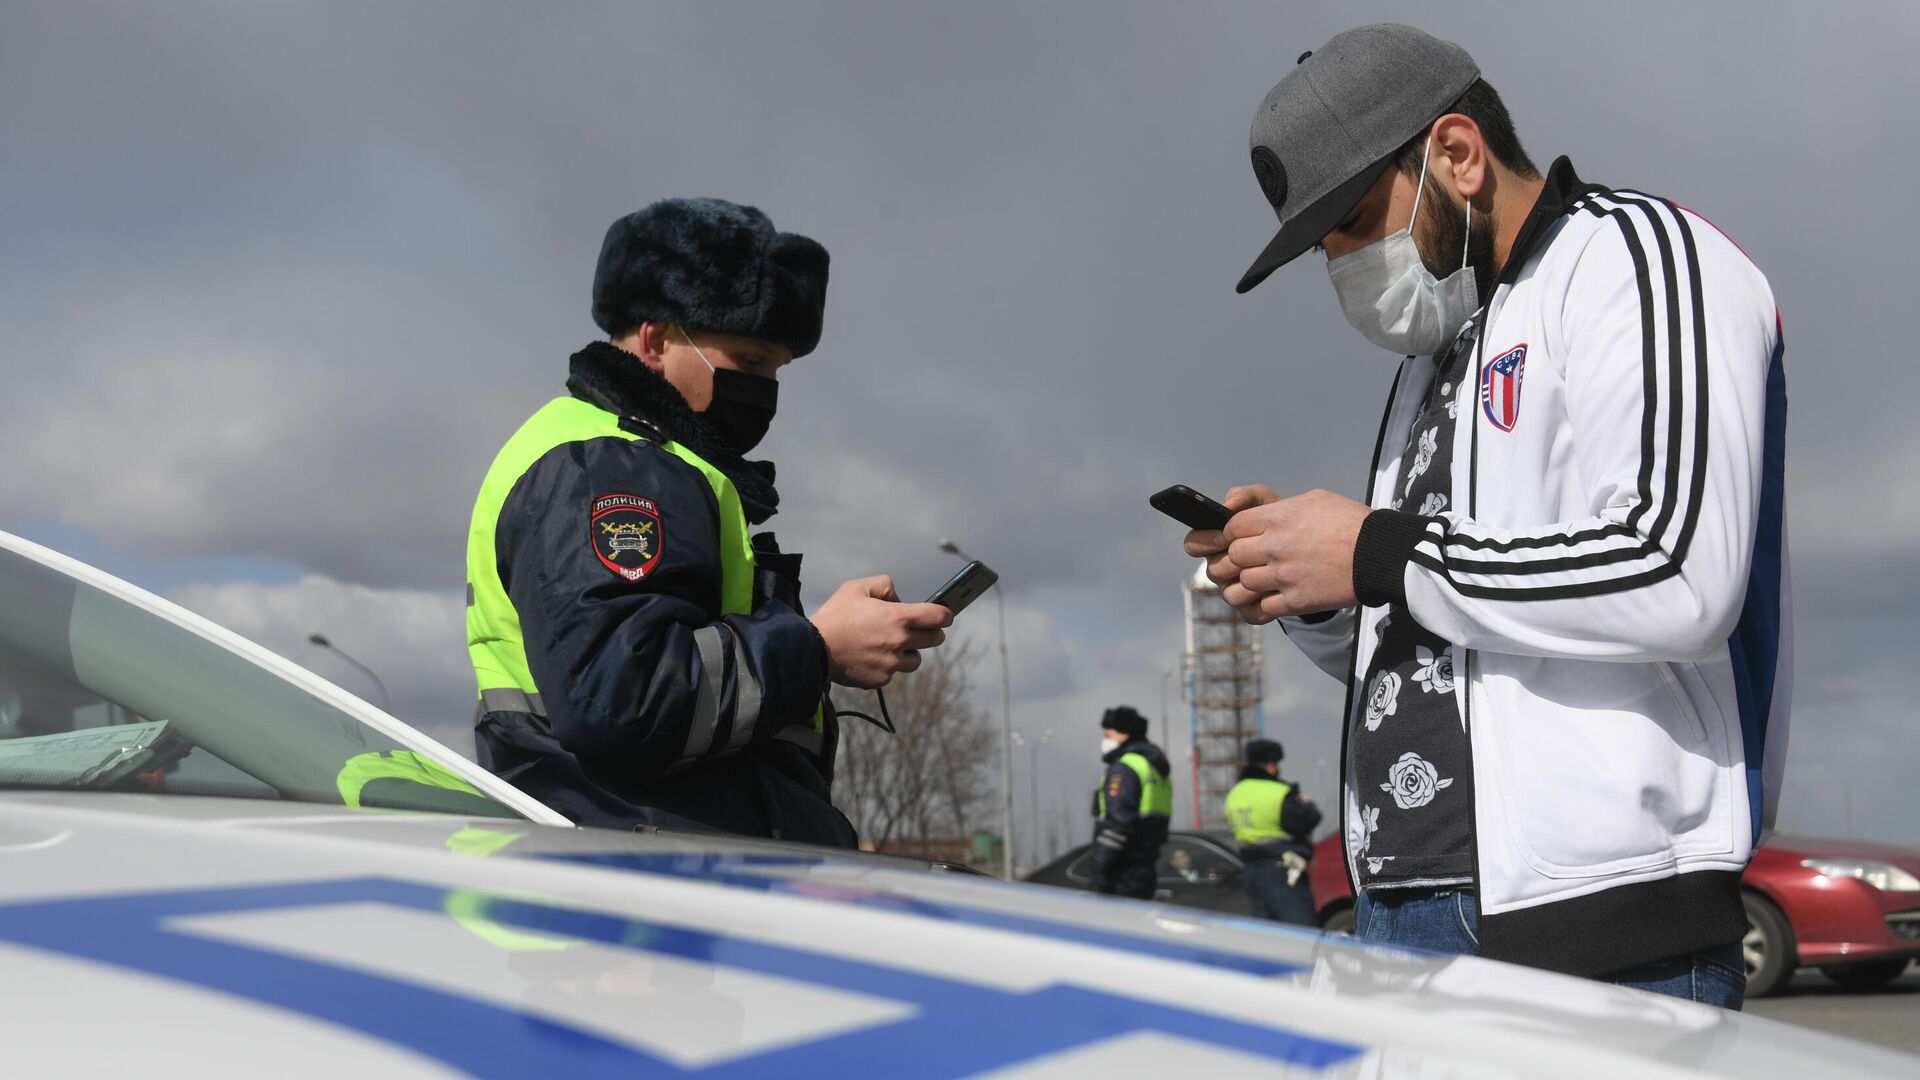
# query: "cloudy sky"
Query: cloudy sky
{"points": [[278, 279]]}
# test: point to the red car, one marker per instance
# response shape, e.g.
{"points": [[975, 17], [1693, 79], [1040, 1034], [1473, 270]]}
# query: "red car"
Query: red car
{"points": [[1848, 907]]}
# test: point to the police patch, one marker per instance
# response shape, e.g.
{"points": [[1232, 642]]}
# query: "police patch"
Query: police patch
{"points": [[1113, 785], [626, 535]]}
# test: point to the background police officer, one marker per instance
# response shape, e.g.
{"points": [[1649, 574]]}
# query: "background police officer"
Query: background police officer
{"points": [[1273, 824], [642, 659], [1131, 808]]}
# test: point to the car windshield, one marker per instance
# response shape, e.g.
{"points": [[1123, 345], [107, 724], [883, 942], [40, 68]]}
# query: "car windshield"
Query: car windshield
{"points": [[99, 694]]}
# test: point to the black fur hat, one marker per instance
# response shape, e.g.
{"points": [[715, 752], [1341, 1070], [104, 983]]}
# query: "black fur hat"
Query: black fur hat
{"points": [[1125, 720], [1262, 751], [713, 265]]}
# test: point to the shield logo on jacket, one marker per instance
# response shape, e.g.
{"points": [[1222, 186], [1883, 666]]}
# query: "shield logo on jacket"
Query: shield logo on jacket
{"points": [[626, 535], [1500, 387]]}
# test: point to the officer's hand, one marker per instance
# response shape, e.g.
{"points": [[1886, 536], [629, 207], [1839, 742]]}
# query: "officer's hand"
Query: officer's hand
{"points": [[1295, 556], [871, 635], [1211, 545]]}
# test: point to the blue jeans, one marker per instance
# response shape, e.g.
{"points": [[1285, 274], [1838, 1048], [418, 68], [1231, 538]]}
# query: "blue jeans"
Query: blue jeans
{"points": [[1437, 920], [1448, 921], [1716, 976]]}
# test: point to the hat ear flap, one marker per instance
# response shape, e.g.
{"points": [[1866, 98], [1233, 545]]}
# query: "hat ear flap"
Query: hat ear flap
{"points": [[616, 290], [795, 292]]}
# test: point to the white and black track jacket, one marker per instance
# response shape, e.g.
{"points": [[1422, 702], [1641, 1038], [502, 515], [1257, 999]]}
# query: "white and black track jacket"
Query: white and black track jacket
{"points": [[1614, 573]]}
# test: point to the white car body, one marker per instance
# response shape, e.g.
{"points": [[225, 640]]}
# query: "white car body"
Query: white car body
{"points": [[193, 935]]}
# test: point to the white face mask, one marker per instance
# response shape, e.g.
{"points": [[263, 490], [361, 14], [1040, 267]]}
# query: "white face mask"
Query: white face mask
{"points": [[1390, 296], [1108, 746]]}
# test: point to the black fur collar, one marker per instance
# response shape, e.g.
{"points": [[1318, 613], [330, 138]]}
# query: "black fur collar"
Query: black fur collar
{"points": [[608, 376]]}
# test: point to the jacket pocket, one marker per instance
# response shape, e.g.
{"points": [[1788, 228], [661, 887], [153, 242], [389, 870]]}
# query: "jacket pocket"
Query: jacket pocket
{"points": [[1689, 715], [1600, 768]]}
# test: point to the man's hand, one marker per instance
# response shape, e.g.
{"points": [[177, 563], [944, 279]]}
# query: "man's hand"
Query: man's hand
{"points": [[871, 635], [1293, 556], [1211, 545]]}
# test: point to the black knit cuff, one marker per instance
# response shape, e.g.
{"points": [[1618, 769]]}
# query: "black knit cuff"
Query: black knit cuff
{"points": [[1380, 556]]}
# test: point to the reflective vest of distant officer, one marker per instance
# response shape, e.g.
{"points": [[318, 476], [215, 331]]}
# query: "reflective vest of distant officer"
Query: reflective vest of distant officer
{"points": [[643, 660], [1273, 824], [1131, 807]]}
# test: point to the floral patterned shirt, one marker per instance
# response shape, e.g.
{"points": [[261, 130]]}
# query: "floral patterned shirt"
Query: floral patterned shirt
{"points": [[1410, 757]]}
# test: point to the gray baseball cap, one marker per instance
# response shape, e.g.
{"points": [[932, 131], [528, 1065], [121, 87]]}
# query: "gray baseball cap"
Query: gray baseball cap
{"points": [[1327, 131]]}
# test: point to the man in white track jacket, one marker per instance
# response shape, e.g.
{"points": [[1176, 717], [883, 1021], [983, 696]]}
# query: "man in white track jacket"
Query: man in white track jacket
{"points": [[1562, 612]]}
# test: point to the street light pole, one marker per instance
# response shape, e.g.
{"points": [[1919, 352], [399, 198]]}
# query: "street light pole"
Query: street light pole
{"points": [[1033, 785], [1166, 723], [386, 704], [1006, 726], [1033, 780]]}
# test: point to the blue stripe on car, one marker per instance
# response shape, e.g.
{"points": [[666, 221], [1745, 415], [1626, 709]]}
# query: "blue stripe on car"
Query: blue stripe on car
{"points": [[957, 1028], [737, 870]]}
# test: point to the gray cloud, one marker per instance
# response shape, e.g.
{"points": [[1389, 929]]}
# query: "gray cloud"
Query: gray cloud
{"points": [[280, 278]]}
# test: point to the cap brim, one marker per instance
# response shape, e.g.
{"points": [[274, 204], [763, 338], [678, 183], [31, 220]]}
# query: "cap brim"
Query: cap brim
{"points": [[1309, 226]]}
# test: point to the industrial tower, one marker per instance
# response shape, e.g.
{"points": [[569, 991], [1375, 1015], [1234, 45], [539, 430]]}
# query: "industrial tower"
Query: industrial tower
{"points": [[1224, 689]]}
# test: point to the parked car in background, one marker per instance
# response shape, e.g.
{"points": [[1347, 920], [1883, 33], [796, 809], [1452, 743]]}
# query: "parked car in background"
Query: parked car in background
{"points": [[1849, 908], [1201, 869]]}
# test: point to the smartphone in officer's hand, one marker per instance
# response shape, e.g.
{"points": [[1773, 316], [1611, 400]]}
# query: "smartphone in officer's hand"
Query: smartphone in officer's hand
{"points": [[1190, 508], [964, 587]]}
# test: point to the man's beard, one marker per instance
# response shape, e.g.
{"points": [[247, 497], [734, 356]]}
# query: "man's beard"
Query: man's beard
{"points": [[1446, 230]]}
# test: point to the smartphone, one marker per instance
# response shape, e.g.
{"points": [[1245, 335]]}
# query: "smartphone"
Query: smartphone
{"points": [[964, 587], [1190, 508]]}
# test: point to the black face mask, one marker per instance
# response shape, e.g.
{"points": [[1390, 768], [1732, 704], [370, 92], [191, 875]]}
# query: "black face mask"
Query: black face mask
{"points": [[742, 408]]}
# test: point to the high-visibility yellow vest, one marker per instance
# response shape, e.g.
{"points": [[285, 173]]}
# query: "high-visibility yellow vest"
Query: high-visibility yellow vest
{"points": [[493, 625], [1253, 809], [1156, 791]]}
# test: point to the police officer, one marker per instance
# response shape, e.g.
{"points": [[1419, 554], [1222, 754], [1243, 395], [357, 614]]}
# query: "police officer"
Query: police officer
{"points": [[642, 658], [1131, 807], [1273, 823]]}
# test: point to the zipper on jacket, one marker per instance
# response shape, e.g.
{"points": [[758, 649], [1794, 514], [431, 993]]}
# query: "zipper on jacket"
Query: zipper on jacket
{"points": [[1503, 284], [1473, 514]]}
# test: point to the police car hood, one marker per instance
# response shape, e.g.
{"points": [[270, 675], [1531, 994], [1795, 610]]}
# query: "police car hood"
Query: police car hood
{"points": [[219, 937]]}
